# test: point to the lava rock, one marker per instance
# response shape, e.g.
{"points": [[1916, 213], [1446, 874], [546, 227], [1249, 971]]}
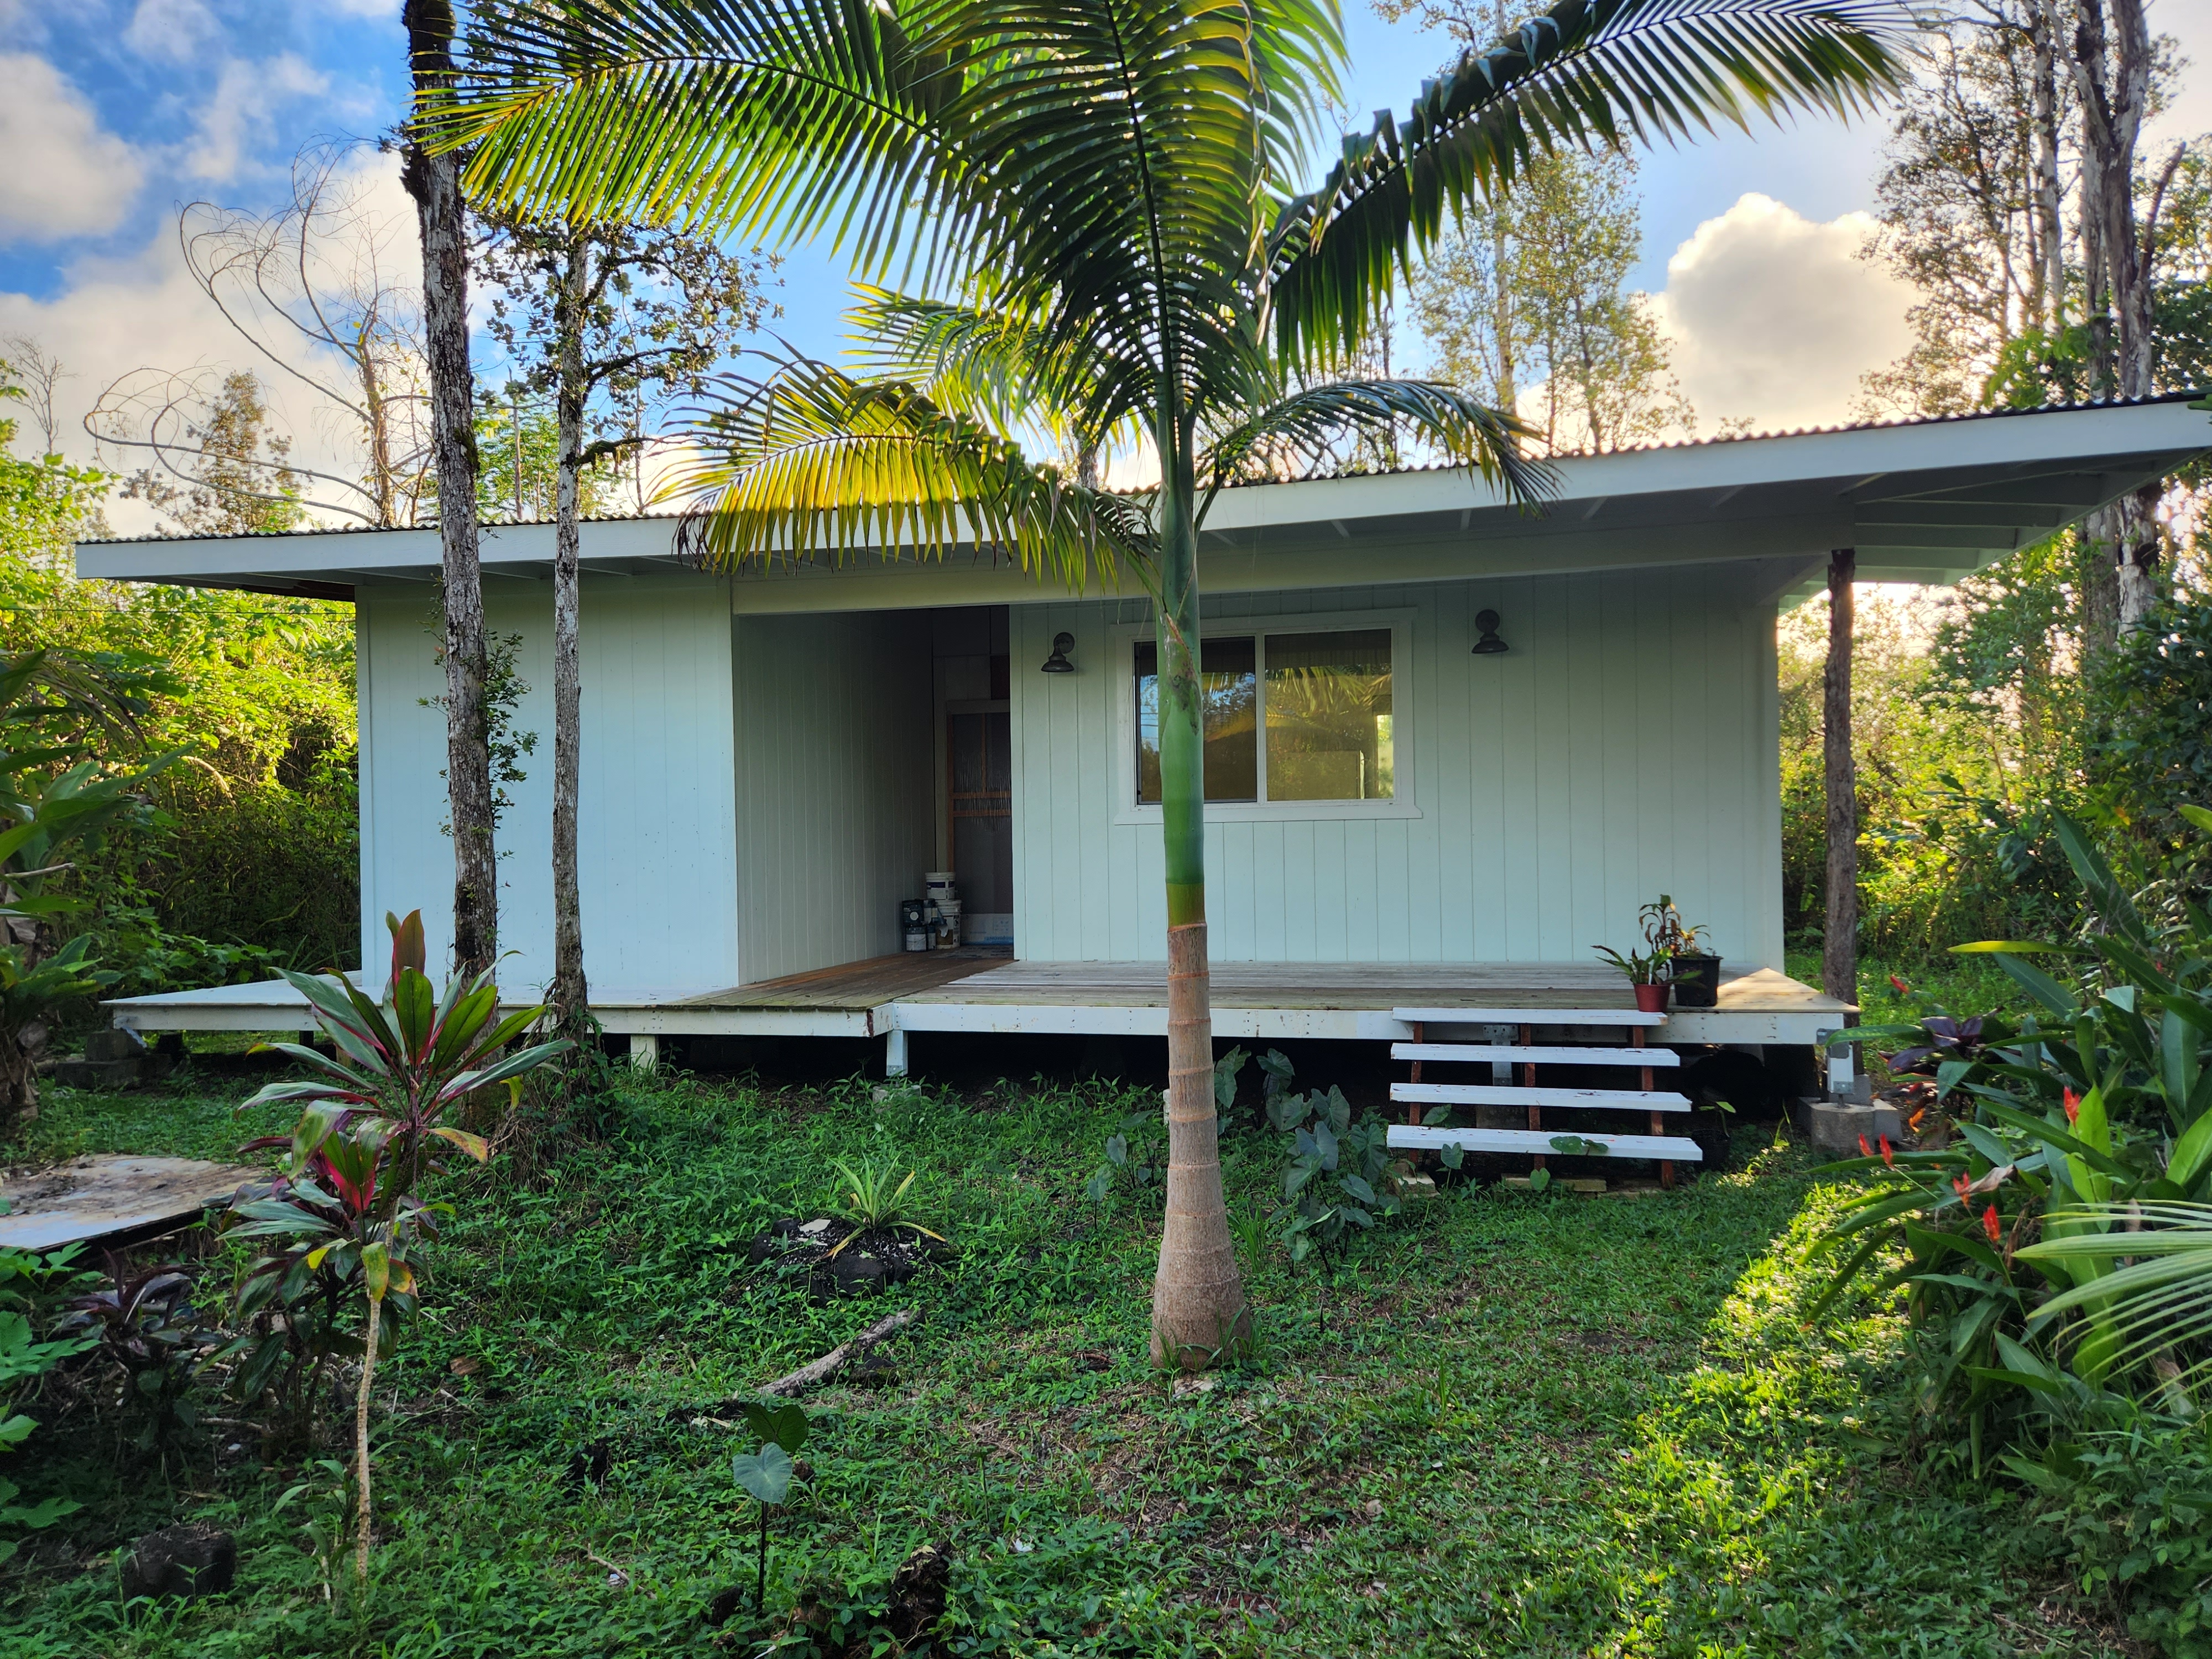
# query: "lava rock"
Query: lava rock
{"points": [[589, 1467], [726, 1604], [855, 1274], [195, 1558], [918, 1591]]}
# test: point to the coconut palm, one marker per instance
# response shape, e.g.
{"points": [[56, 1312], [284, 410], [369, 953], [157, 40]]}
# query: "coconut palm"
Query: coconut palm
{"points": [[1105, 184]]}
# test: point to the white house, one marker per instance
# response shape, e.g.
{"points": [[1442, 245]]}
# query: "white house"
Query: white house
{"points": [[772, 759]]}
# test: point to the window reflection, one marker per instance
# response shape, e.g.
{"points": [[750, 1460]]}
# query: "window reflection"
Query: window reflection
{"points": [[1228, 697], [1328, 716]]}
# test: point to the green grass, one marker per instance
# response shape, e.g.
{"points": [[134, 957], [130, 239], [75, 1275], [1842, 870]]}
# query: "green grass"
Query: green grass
{"points": [[1512, 1425]]}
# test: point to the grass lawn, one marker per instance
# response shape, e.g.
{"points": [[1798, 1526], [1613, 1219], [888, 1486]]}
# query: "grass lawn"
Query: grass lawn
{"points": [[1512, 1424]]}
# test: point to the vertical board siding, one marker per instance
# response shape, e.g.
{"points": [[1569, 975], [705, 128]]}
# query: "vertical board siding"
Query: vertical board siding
{"points": [[834, 786], [1624, 746], [654, 823]]}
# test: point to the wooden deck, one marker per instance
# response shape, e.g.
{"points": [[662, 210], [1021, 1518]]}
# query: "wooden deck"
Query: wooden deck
{"points": [[979, 990]]}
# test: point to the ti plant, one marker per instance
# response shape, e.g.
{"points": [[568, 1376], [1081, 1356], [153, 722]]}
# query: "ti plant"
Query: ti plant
{"points": [[766, 1475], [371, 1124], [146, 1324], [1339, 1176], [2083, 1143]]}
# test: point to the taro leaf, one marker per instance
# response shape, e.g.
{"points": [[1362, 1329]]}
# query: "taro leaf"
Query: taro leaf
{"points": [[1539, 1179], [1357, 1188], [1339, 1110], [1100, 1184], [1301, 1171], [1117, 1151], [1276, 1067], [1355, 1215], [766, 1474], [784, 1426], [1435, 1115], [1286, 1112], [1325, 1145], [1576, 1146], [1451, 1155], [1225, 1072]]}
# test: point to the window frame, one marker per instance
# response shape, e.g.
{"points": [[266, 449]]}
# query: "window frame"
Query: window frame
{"points": [[1122, 638]]}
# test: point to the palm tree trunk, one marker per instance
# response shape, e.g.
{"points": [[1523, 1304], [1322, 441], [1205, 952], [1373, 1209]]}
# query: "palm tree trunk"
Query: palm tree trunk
{"points": [[434, 180], [569, 994], [1199, 1312]]}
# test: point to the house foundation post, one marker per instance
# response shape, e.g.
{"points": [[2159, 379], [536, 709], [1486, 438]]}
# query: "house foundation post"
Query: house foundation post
{"points": [[644, 1051], [895, 1052]]}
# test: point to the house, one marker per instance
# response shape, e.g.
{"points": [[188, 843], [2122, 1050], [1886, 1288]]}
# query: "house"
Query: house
{"points": [[1457, 744]]}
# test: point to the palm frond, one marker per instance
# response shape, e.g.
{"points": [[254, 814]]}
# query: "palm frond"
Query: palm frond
{"points": [[796, 117], [1307, 421], [808, 459], [1589, 73], [2158, 1299]]}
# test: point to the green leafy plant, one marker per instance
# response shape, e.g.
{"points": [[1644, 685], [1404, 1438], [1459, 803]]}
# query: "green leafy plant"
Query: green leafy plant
{"points": [[869, 1200], [1136, 1157], [31, 1286], [373, 1110], [1339, 1175], [765, 1476], [1665, 933], [1642, 967]]}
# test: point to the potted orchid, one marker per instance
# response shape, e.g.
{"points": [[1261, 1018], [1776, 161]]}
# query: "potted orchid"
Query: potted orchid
{"points": [[1692, 970]]}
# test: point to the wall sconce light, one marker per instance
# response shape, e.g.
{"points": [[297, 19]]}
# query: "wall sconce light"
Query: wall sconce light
{"points": [[1062, 644], [1489, 645]]}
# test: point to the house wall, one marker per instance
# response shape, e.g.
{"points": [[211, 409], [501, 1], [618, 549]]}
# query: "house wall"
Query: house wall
{"points": [[1625, 745], [656, 817], [835, 792]]}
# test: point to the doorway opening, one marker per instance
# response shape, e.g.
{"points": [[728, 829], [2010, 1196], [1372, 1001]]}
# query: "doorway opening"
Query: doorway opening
{"points": [[968, 647]]}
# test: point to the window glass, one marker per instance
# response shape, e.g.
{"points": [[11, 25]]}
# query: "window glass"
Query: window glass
{"points": [[1328, 716], [1228, 692]]}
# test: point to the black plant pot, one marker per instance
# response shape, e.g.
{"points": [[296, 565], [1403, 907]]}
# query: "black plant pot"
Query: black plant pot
{"points": [[1696, 981]]}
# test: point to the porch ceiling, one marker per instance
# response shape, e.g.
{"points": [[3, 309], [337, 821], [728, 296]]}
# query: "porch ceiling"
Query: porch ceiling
{"points": [[1928, 502]]}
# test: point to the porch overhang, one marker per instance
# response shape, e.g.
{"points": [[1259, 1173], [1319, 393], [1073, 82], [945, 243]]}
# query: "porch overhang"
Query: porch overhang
{"points": [[1921, 502]]}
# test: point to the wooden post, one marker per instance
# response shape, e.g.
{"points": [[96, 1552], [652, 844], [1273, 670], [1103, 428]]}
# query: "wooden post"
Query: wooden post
{"points": [[1839, 954], [1529, 1081], [1658, 1119], [1413, 1107]]}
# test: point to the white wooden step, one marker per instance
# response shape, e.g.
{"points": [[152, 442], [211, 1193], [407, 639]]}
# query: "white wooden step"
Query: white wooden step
{"points": [[1475, 1054], [1527, 1016], [1479, 1094], [1408, 1137]]}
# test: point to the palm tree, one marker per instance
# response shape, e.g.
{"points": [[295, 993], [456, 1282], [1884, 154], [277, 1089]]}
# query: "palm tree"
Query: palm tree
{"points": [[1103, 186]]}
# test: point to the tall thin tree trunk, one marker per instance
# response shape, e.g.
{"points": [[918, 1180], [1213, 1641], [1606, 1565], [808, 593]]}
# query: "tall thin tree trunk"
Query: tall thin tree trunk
{"points": [[360, 1440], [1840, 952], [569, 994], [1199, 1311], [434, 181], [2043, 106]]}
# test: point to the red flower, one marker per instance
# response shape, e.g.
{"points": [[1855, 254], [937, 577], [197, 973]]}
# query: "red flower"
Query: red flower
{"points": [[1958, 1186], [1903, 989], [1865, 1151], [2073, 1107], [1889, 1162], [1989, 1223]]}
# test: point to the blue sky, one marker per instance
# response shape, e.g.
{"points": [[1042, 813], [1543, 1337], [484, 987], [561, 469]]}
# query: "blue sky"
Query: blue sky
{"points": [[115, 112]]}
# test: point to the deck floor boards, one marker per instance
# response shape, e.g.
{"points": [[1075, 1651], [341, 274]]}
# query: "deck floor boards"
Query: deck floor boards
{"points": [[988, 979]]}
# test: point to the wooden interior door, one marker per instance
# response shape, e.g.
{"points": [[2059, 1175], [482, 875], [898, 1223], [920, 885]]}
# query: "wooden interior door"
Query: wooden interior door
{"points": [[979, 796]]}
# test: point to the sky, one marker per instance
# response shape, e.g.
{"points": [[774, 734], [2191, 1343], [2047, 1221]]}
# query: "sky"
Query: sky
{"points": [[116, 114]]}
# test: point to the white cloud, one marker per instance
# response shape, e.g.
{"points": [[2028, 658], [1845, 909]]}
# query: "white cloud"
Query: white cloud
{"points": [[238, 113], [1772, 316], [116, 314], [64, 176], [176, 31]]}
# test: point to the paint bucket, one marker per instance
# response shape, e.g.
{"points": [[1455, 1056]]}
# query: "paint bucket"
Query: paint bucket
{"points": [[916, 926], [948, 923], [939, 884]]}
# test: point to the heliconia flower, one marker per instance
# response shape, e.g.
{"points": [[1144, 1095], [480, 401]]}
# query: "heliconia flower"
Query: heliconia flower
{"points": [[1959, 1185], [1989, 1223], [1888, 1161], [2073, 1107], [1865, 1151], [1903, 989]]}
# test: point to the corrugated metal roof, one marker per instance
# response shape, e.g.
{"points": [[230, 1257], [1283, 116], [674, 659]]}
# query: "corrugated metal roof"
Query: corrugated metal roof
{"points": [[1438, 467]]}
